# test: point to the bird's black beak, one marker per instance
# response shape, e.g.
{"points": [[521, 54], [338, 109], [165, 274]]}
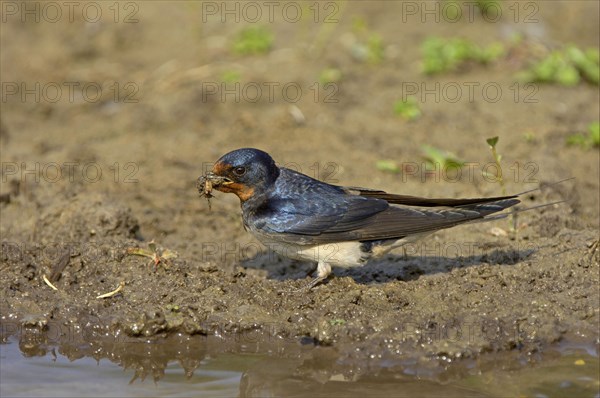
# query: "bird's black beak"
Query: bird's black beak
{"points": [[216, 180]]}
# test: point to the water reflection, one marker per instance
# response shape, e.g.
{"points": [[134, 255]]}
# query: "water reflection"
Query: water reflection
{"points": [[277, 377], [258, 367]]}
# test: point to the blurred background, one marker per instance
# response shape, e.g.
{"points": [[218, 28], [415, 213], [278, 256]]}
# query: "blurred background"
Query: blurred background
{"points": [[358, 93]]}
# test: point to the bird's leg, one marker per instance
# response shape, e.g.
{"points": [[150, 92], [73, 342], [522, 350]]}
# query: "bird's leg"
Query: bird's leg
{"points": [[323, 271]]}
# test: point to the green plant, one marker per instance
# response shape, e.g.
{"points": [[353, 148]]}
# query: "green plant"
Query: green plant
{"points": [[375, 49], [231, 76], [567, 66], [253, 40], [435, 158], [497, 158], [498, 176], [330, 75], [172, 308], [408, 109], [529, 137], [369, 45], [446, 160], [587, 140], [389, 166], [447, 55]]}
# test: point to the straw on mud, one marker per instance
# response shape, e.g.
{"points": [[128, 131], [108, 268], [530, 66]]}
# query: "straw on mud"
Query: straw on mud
{"points": [[49, 283], [110, 294]]}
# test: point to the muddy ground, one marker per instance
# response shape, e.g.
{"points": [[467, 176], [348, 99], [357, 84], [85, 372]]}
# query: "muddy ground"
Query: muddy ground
{"points": [[459, 294]]}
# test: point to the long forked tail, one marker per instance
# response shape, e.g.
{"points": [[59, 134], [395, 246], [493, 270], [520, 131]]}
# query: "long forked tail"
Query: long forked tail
{"points": [[515, 211], [497, 203], [512, 212], [544, 186], [424, 215]]}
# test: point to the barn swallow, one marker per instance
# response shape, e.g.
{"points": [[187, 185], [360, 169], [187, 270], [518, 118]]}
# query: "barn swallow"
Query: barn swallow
{"points": [[307, 219]]}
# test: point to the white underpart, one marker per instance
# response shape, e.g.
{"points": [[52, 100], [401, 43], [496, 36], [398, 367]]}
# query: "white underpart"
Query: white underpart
{"points": [[340, 254]]}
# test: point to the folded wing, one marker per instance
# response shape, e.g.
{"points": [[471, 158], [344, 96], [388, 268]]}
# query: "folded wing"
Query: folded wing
{"points": [[364, 214]]}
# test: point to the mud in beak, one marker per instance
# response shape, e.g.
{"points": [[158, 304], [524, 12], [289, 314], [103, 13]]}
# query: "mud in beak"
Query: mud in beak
{"points": [[209, 181]]}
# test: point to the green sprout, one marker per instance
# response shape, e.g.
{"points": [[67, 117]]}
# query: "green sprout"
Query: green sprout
{"points": [[590, 139], [388, 166], [497, 158], [529, 137], [448, 55], [408, 109], [231, 76], [330, 75], [375, 49], [447, 160], [433, 156], [369, 46], [253, 40], [567, 67], [512, 220], [172, 308]]}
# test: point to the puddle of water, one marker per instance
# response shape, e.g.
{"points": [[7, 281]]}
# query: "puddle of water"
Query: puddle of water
{"points": [[213, 367], [54, 375]]}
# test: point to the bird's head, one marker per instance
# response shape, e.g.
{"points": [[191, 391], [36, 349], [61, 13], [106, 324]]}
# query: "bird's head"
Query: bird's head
{"points": [[246, 172]]}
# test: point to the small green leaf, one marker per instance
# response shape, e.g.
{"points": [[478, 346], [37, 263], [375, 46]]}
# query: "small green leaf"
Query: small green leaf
{"points": [[389, 166], [435, 156], [594, 130], [330, 75], [492, 141], [587, 140], [408, 109], [253, 40], [230, 76]]}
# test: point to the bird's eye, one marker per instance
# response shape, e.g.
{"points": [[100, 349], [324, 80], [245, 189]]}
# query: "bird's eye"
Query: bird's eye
{"points": [[239, 171]]}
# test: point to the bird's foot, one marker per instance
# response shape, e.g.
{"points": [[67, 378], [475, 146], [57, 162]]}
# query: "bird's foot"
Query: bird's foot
{"points": [[312, 283], [323, 272], [316, 281]]}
